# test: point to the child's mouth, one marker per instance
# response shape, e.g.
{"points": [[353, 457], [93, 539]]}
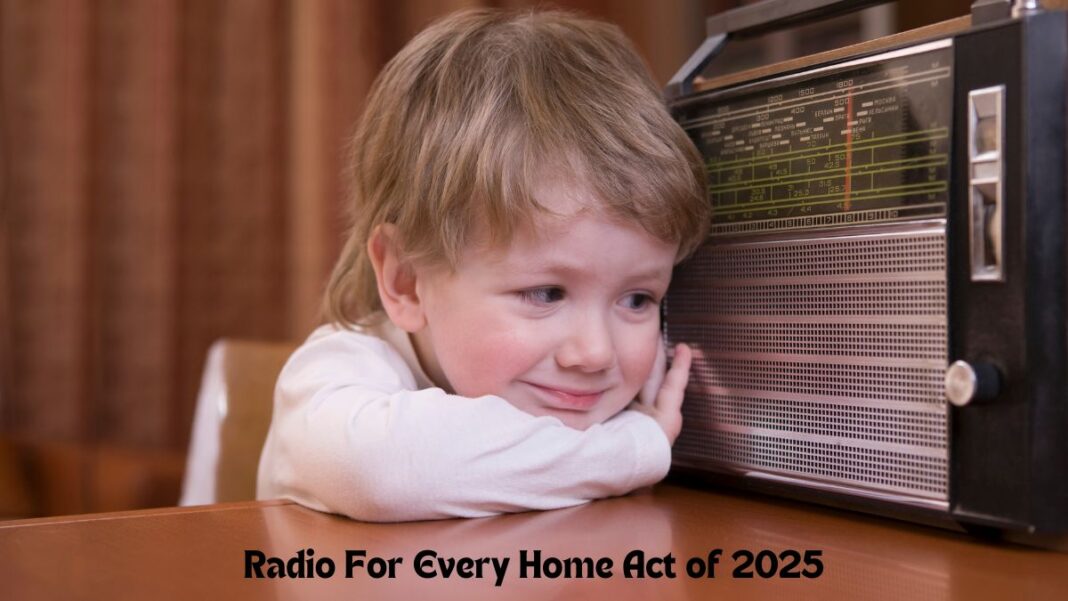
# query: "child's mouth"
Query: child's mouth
{"points": [[574, 400]]}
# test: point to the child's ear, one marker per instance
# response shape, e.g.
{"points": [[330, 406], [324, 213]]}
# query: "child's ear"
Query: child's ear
{"points": [[396, 278]]}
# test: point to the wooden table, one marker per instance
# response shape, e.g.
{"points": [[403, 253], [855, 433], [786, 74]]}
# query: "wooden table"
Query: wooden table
{"points": [[199, 552]]}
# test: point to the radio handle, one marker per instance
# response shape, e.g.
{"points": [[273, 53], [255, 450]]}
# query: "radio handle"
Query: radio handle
{"points": [[753, 19]]}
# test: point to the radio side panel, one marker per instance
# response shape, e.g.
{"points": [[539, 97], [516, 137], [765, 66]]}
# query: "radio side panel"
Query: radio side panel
{"points": [[1046, 48], [1009, 450]]}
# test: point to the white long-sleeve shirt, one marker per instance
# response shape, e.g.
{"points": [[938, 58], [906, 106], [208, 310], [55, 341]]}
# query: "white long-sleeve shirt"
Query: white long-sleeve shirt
{"points": [[358, 429]]}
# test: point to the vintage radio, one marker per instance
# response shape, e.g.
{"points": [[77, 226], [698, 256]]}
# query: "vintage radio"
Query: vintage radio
{"points": [[879, 312]]}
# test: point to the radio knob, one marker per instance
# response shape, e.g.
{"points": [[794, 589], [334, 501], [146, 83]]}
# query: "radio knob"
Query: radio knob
{"points": [[966, 383]]}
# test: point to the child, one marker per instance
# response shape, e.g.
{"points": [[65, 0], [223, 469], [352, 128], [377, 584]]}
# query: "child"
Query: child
{"points": [[520, 199]]}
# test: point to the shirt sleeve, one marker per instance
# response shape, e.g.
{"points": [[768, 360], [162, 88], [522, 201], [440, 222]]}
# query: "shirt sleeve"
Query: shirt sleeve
{"points": [[350, 435]]}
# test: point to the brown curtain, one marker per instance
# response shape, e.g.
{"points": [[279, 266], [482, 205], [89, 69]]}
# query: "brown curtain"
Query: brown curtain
{"points": [[170, 174]]}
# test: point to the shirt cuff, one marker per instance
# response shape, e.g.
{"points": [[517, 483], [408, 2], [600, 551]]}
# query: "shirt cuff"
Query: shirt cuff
{"points": [[652, 458]]}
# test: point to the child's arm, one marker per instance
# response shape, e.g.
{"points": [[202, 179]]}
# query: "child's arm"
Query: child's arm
{"points": [[351, 436]]}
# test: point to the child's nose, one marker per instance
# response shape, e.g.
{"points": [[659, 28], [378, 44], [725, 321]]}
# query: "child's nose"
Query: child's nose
{"points": [[587, 346]]}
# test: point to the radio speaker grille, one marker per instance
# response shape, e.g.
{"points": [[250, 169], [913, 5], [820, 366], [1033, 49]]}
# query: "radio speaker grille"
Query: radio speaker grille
{"points": [[818, 359]]}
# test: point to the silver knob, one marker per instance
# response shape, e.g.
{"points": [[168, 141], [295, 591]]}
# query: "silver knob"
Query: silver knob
{"points": [[966, 383]]}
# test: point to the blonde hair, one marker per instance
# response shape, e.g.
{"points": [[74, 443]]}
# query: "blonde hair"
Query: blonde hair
{"points": [[461, 123]]}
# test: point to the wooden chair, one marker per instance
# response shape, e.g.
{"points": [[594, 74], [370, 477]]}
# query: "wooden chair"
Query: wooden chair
{"points": [[232, 416]]}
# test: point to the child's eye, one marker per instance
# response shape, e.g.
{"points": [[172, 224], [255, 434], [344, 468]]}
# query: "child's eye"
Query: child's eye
{"points": [[639, 301], [543, 296]]}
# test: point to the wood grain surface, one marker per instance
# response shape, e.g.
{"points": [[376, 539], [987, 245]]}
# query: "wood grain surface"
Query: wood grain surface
{"points": [[198, 552]]}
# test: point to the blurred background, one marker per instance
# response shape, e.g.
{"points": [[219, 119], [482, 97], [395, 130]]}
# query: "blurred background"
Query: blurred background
{"points": [[170, 173]]}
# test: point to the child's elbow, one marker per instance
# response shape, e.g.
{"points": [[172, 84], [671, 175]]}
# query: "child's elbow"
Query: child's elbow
{"points": [[375, 495], [359, 483]]}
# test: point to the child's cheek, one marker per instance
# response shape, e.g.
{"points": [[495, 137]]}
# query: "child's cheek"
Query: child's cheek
{"points": [[488, 359], [637, 358]]}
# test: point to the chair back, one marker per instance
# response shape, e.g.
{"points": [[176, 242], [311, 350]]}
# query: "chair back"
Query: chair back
{"points": [[232, 416]]}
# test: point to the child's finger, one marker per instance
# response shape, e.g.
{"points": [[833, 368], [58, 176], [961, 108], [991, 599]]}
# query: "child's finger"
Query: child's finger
{"points": [[674, 387]]}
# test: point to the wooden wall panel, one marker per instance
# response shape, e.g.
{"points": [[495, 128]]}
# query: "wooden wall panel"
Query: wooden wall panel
{"points": [[332, 62], [308, 176], [43, 49], [133, 205], [6, 313], [231, 182], [197, 191]]}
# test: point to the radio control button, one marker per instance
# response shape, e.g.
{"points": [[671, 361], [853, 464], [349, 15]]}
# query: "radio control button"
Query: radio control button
{"points": [[966, 383]]}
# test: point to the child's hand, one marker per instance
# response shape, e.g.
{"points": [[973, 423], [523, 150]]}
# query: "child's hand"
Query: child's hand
{"points": [[666, 406]]}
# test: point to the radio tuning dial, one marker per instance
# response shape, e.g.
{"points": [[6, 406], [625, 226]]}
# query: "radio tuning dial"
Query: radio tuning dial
{"points": [[967, 383]]}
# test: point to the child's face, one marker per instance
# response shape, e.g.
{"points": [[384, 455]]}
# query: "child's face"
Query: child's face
{"points": [[564, 321]]}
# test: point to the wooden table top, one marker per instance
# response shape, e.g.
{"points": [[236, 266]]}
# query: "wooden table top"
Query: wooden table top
{"points": [[199, 552]]}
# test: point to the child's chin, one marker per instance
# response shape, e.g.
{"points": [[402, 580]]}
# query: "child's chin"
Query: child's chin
{"points": [[584, 420], [581, 421]]}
